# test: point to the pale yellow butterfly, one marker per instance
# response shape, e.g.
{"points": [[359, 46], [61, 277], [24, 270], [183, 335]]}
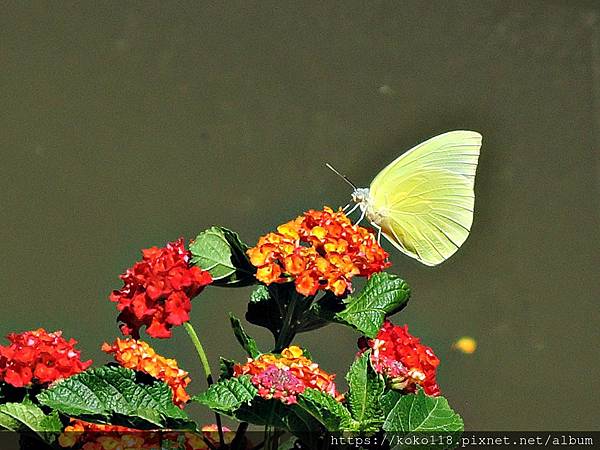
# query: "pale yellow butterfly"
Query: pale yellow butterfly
{"points": [[423, 201]]}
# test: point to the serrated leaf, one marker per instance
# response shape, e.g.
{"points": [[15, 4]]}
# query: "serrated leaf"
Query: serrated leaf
{"points": [[383, 295], [22, 417], [211, 251], [247, 343], [221, 252], [288, 444], [274, 413], [365, 390], [303, 425], [262, 412], [228, 395], [114, 394], [51, 423], [420, 412], [306, 353], [225, 368], [323, 312], [267, 308], [389, 400], [8, 423], [259, 294], [29, 416], [149, 415], [331, 413]]}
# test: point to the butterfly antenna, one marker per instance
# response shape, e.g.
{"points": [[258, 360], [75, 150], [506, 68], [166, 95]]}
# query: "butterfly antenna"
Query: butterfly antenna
{"points": [[344, 177]]}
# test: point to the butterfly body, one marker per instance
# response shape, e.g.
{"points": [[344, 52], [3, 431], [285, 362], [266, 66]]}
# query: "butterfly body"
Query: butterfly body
{"points": [[361, 196], [423, 201]]}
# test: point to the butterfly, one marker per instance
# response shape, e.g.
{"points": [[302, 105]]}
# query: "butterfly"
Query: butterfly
{"points": [[422, 202]]}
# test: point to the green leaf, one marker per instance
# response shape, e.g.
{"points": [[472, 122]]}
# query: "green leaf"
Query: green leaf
{"points": [[282, 304], [29, 416], [365, 389], [228, 395], [8, 423], [51, 423], [279, 307], [21, 417], [221, 252], [266, 309], [113, 394], [260, 294], [323, 312], [262, 412], [288, 444], [303, 425], [332, 414], [420, 412], [389, 400], [225, 368], [383, 295], [306, 353], [274, 413], [243, 338]]}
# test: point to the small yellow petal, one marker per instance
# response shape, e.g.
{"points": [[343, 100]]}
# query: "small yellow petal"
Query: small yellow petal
{"points": [[292, 351], [318, 232]]}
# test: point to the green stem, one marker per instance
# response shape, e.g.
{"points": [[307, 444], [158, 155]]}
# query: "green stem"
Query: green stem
{"points": [[287, 333], [206, 367], [236, 444], [200, 350], [271, 438]]}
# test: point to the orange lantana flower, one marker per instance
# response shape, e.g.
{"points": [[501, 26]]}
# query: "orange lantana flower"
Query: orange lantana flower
{"points": [[318, 250], [138, 355]]}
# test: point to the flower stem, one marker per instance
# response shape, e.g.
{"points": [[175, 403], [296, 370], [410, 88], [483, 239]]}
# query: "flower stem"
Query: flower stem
{"points": [[236, 444], [200, 350], [206, 367], [287, 333], [271, 438]]}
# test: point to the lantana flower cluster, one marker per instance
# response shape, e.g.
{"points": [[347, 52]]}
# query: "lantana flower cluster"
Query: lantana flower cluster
{"points": [[92, 436], [138, 355], [99, 436], [39, 357], [284, 376], [157, 291], [401, 357], [318, 250]]}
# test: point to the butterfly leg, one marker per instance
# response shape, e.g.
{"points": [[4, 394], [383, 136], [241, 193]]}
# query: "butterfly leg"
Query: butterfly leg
{"points": [[353, 209], [378, 228], [346, 207], [362, 216]]}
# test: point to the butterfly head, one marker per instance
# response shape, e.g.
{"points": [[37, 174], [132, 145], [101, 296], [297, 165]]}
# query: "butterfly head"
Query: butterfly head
{"points": [[361, 196]]}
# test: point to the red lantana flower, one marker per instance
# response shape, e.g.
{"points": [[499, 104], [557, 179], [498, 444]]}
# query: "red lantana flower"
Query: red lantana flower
{"points": [[318, 250], [39, 357], [284, 376], [401, 356], [157, 291]]}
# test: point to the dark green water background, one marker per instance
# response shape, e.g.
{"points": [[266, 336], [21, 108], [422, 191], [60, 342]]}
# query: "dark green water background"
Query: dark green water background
{"points": [[124, 125]]}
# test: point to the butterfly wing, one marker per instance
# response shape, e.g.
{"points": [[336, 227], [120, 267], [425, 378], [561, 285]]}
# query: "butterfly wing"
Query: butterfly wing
{"points": [[425, 198]]}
